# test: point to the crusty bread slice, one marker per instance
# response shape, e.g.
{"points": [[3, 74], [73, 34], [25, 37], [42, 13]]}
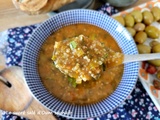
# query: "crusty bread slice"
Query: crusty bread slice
{"points": [[34, 7]]}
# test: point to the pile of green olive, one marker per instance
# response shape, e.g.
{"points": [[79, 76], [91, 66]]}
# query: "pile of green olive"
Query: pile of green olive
{"points": [[139, 26]]}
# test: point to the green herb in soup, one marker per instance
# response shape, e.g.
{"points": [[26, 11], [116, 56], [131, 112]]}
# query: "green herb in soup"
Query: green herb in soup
{"points": [[72, 64]]}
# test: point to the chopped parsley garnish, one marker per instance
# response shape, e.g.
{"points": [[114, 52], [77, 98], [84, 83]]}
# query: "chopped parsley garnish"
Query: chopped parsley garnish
{"points": [[72, 81], [73, 45]]}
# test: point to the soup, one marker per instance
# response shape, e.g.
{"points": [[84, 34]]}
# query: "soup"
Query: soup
{"points": [[60, 85]]}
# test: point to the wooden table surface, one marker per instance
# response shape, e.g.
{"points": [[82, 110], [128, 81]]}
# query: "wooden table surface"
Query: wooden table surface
{"points": [[11, 17]]}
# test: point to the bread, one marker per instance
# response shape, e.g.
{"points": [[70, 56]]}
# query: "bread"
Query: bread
{"points": [[34, 7]]}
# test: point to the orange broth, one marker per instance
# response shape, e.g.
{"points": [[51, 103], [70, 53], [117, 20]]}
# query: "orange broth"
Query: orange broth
{"points": [[57, 83]]}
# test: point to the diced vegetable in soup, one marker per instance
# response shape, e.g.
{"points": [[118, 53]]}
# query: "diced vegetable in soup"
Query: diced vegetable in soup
{"points": [[72, 64]]}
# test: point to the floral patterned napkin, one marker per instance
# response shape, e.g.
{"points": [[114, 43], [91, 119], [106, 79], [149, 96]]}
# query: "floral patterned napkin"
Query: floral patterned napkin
{"points": [[138, 105]]}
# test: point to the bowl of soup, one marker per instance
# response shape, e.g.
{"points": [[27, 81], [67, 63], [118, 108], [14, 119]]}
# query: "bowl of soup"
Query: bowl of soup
{"points": [[64, 64]]}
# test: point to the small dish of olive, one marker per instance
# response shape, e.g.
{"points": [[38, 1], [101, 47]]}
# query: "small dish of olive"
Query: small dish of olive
{"points": [[143, 24]]}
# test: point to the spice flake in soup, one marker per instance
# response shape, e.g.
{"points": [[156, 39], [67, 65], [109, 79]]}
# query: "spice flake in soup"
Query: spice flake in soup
{"points": [[72, 64]]}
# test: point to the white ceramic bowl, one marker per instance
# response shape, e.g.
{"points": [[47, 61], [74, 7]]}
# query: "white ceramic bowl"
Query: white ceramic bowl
{"points": [[105, 22]]}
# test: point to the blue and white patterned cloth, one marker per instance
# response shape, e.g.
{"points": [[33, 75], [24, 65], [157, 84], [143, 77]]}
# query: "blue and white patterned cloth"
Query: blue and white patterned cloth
{"points": [[138, 105]]}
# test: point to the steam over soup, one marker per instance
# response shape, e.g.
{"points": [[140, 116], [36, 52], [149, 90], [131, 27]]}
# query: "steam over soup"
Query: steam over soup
{"points": [[72, 65]]}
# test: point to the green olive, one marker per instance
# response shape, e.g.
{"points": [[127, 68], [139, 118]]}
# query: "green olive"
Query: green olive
{"points": [[131, 31], [139, 26], [143, 48], [147, 17], [156, 48], [129, 20], [120, 19], [137, 15], [156, 13], [152, 32], [153, 43], [140, 37], [155, 62], [158, 75]]}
